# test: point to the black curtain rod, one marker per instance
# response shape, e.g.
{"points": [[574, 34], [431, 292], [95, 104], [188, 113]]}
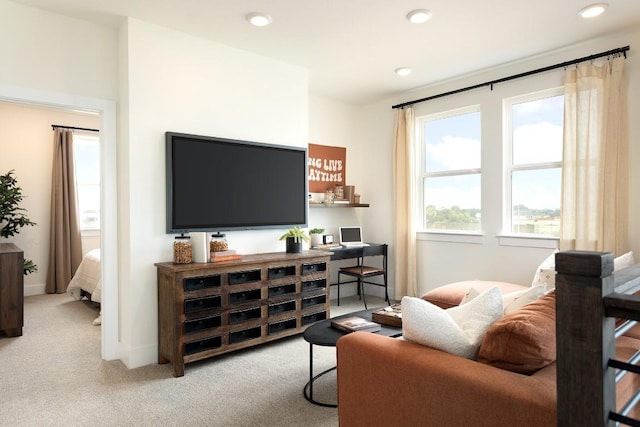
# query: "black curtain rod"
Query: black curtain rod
{"points": [[619, 50], [74, 128]]}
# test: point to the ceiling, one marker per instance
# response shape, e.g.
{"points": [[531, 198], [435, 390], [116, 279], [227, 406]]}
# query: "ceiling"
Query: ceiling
{"points": [[351, 47]]}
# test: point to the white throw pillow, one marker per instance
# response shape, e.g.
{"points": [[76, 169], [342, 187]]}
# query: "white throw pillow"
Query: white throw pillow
{"points": [[623, 261], [546, 273], [457, 330], [512, 300], [515, 300]]}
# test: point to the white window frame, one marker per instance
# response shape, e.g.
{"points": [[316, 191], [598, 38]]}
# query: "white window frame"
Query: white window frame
{"points": [[442, 235], [508, 236], [89, 231]]}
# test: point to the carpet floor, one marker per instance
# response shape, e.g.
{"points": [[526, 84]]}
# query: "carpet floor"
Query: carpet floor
{"points": [[53, 376]]}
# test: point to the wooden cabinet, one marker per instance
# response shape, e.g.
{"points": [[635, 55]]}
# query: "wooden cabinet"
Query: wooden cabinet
{"points": [[11, 289], [205, 310]]}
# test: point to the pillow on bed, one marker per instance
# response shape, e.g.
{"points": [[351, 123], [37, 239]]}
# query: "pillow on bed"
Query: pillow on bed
{"points": [[523, 341], [458, 330]]}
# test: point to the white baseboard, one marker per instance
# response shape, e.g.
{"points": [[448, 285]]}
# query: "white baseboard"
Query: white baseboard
{"points": [[35, 289]]}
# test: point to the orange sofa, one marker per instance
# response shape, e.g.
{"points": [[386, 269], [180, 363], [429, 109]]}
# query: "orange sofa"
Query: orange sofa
{"points": [[392, 382]]}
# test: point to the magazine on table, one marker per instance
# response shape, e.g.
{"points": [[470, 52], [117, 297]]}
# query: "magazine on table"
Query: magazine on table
{"points": [[355, 323]]}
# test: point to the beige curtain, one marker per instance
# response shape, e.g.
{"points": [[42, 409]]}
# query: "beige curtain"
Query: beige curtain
{"points": [[65, 248], [595, 159], [404, 178]]}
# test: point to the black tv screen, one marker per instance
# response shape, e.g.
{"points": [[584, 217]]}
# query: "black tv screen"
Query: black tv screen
{"points": [[216, 184]]}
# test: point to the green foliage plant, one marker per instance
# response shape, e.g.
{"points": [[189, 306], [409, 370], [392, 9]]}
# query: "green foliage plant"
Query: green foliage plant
{"points": [[12, 216], [296, 233], [316, 231]]}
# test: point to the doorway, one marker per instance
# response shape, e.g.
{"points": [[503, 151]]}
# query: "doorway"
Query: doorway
{"points": [[106, 110]]}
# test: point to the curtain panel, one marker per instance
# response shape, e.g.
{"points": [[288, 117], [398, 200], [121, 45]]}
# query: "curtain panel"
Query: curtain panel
{"points": [[594, 213], [65, 245], [404, 177]]}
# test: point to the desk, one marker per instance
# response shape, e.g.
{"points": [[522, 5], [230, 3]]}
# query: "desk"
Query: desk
{"points": [[345, 252], [350, 252]]}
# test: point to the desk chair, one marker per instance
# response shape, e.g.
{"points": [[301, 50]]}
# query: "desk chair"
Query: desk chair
{"points": [[362, 272]]}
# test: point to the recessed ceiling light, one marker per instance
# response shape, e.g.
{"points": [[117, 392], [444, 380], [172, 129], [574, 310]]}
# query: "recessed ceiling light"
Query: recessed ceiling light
{"points": [[403, 71], [593, 10], [419, 16], [259, 19]]}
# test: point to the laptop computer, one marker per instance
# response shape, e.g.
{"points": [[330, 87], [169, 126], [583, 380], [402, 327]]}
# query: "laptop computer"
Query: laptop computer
{"points": [[351, 236]]}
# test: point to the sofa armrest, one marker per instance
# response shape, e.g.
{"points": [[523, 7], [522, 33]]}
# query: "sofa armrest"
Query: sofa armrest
{"points": [[387, 381]]}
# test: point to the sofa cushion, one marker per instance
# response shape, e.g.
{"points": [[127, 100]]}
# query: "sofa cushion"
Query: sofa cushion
{"points": [[511, 301], [458, 330], [523, 341], [450, 295]]}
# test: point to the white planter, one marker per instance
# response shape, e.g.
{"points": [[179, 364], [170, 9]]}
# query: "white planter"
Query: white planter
{"points": [[316, 239]]}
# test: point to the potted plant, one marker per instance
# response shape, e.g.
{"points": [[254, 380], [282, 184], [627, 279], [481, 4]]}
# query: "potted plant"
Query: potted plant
{"points": [[294, 238], [316, 236], [12, 216]]}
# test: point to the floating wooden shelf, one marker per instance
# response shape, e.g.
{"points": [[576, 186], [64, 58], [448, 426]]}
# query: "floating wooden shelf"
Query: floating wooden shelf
{"points": [[339, 205]]}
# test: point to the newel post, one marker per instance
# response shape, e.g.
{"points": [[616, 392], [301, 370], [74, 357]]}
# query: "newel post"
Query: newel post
{"points": [[584, 338]]}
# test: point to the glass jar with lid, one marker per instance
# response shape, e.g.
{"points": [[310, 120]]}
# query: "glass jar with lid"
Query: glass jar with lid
{"points": [[182, 250], [218, 243]]}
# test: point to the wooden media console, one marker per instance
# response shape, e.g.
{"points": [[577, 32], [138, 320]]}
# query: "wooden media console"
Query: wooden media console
{"points": [[209, 309]]}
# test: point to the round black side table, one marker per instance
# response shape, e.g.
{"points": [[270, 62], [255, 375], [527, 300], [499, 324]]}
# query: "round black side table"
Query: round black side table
{"points": [[321, 333]]}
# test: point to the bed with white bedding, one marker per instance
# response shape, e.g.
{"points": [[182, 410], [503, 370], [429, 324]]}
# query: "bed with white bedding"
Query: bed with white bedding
{"points": [[87, 280]]}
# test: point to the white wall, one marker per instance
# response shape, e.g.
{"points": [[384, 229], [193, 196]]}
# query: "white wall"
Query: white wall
{"points": [[45, 51], [442, 262], [26, 144], [175, 82]]}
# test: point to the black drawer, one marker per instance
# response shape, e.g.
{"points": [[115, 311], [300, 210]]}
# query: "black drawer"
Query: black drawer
{"points": [[246, 296], [244, 335], [285, 325], [278, 272], [314, 268], [310, 302], [282, 290], [243, 315], [202, 345], [282, 307], [202, 324], [244, 277], [197, 283], [315, 317], [314, 284], [199, 304]]}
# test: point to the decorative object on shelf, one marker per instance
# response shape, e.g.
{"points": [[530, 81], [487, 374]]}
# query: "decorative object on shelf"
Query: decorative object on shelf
{"points": [[218, 243], [227, 255], [329, 197], [199, 246], [339, 192], [315, 235], [349, 191], [294, 237], [356, 199], [12, 216], [182, 250]]}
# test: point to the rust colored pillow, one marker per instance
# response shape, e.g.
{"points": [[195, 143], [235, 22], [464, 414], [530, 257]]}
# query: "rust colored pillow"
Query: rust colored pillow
{"points": [[523, 341]]}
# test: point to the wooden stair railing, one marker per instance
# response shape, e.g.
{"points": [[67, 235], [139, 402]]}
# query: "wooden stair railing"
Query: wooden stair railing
{"points": [[589, 299]]}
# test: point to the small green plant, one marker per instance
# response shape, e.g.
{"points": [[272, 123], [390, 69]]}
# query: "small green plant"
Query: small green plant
{"points": [[296, 233], [12, 216], [316, 231]]}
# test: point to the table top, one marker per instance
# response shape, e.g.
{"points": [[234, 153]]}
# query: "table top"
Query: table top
{"points": [[322, 333]]}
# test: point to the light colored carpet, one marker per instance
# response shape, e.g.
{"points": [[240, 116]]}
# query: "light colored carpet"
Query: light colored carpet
{"points": [[53, 376]]}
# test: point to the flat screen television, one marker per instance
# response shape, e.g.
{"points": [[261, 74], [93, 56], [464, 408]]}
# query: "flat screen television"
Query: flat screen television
{"points": [[216, 184]]}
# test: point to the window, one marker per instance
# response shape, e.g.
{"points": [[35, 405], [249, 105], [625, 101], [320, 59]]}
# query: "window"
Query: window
{"points": [[450, 170], [86, 150], [533, 144]]}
